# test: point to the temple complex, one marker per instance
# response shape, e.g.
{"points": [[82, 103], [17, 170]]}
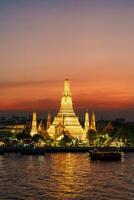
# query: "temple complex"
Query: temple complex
{"points": [[66, 122], [66, 119]]}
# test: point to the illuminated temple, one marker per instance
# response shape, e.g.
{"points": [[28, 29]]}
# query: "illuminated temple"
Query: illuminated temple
{"points": [[66, 119], [66, 122]]}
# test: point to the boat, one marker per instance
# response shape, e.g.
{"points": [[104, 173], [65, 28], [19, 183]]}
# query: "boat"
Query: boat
{"points": [[106, 155]]}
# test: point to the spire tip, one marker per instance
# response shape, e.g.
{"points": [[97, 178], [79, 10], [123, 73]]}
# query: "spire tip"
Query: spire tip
{"points": [[67, 78]]}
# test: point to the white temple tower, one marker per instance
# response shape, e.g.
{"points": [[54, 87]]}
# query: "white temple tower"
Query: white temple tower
{"points": [[48, 121], [93, 122], [66, 115], [34, 125], [87, 125]]}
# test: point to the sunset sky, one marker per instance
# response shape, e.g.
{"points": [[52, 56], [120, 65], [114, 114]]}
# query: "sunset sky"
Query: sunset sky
{"points": [[91, 41]]}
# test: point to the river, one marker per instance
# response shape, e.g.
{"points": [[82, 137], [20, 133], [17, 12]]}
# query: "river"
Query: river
{"points": [[65, 176]]}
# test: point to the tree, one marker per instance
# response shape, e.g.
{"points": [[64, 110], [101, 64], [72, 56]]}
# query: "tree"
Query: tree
{"points": [[91, 136], [65, 140], [23, 136], [38, 137]]}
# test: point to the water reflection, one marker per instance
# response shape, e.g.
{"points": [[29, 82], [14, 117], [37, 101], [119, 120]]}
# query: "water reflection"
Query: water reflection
{"points": [[65, 176]]}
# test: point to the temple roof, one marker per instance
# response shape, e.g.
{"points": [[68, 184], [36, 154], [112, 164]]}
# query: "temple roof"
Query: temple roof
{"points": [[109, 127]]}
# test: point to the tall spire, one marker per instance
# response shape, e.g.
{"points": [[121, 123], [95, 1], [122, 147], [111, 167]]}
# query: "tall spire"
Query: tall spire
{"points": [[66, 107], [40, 127], [48, 121], [93, 122], [86, 121], [34, 125], [67, 91], [66, 116]]}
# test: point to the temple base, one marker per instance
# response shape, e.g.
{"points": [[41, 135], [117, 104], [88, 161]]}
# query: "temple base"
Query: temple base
{"points": [[70, 124]]}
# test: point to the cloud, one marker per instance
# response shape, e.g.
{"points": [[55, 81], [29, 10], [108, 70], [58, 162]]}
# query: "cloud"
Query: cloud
{"points": [[39, 104], [16, 84]]}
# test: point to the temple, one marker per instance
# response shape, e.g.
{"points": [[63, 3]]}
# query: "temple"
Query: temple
{"points": [[66, 119], [66, 123]]}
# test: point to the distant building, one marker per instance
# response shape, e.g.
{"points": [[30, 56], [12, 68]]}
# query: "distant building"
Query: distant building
{"points": [[109, 128], [13, 128]]}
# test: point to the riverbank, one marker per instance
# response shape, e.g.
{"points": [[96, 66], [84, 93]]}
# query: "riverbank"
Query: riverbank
{"points": [[65, 149]]}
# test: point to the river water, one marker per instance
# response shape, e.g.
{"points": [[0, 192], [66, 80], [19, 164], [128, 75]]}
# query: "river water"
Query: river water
{"points": [[65, 176]]}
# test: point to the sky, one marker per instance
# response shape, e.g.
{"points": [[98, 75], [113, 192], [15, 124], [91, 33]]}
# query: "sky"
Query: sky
{"points": [[91, 42]]}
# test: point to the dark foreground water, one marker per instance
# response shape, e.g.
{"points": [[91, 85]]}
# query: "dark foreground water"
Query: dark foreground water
{"points": [[65, 176]]}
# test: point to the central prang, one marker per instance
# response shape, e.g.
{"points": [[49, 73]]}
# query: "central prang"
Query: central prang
{"points": [[66, 118]]}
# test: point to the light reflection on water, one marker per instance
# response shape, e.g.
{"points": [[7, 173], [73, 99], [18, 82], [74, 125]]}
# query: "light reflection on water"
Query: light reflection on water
{"points": [[65, 176]]}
